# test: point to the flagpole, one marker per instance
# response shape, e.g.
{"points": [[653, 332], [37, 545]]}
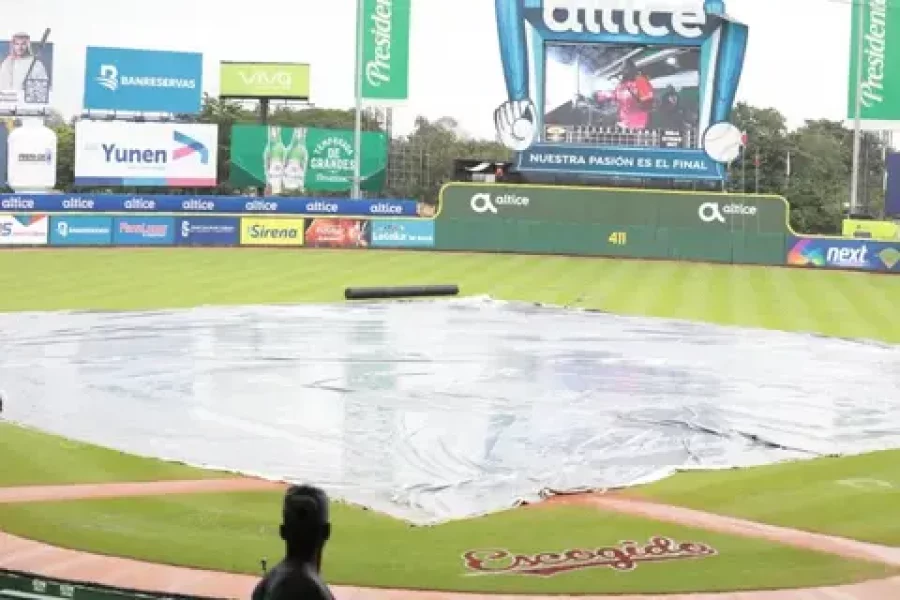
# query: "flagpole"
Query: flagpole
{"points": [[356, 191], [857, 111]]}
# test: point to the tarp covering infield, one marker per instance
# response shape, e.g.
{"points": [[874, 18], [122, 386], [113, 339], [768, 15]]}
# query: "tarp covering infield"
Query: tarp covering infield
{"points": [[432, 411]]}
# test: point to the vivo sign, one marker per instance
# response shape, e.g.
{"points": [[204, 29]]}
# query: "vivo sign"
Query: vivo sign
{"points": [[264, 80]]}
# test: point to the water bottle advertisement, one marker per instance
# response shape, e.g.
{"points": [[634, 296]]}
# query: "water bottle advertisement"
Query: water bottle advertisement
{"points": [[297, 160]]}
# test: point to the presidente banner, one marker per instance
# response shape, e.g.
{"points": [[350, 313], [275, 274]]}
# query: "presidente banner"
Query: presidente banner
{"points": [[385, 50], [879, 84], [637, 91], [612, 222], [212, 205], [143, 80], [300, 159], [277, 81], [109, 153], [838, 253], [26, 73]]}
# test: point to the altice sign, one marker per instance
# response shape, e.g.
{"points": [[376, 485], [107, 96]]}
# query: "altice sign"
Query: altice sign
{"points": [[878, 85]]}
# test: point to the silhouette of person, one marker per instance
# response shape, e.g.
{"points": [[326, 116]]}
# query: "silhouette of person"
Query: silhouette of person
{"points": [[670, 115], [305, 529]]}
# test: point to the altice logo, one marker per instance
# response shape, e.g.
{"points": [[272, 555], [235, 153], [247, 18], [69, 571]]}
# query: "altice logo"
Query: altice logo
{"points": [[596, 16]]}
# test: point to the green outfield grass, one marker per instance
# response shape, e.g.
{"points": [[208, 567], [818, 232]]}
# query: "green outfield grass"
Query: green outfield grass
{"points": [[30, 457], [833, 303], [232, 532], [856, 496]]}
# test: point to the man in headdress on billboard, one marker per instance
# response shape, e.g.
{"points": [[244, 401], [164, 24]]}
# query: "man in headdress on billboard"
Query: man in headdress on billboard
{"points": [[20, 65]]}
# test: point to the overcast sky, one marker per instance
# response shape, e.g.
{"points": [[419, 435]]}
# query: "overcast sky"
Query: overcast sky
{"points": [[797, 58]]}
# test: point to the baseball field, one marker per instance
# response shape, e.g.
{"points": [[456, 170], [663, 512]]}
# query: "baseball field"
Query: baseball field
{"points": [[852, 497]]}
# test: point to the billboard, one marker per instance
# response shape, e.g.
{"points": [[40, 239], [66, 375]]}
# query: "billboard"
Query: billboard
{"points": [[278, 81], [24, 230], [144, 231], [631, 92], [402, 234], [837, 253], [337, 233], [109, 153], [304, 159], [209, 231], [143, 80], [31, 154], [272, 232], [26, 73], [878, 92], [385, 50], [892, 189], [81, 231]]}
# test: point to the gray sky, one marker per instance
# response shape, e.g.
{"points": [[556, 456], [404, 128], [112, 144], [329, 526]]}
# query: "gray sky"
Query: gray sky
{"points": [[797, 59]]}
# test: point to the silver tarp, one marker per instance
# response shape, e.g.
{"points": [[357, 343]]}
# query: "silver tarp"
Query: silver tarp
{"points": [[432, 411]]}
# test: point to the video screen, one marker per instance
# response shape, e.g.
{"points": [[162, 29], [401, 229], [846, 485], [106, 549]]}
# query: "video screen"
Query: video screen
{"points": [[622, 95]]}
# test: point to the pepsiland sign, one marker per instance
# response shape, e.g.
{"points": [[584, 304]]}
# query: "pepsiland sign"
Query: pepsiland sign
{"points": [[636, 92]]}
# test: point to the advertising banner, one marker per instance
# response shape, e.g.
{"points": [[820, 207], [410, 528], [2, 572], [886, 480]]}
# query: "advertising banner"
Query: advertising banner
{"points": [[81, 231], [272, 232], [837, 253], [297, 160], [31, 154], [337, 233], [143, 231], [591, 221], [211, 205], [385, 51], [126, 79], [892, 193], [209, 231], [879, 82], [24, 230], [888, 231], [403, 234], [26, 73], [644, 91], [277, 81], [109, 153]]}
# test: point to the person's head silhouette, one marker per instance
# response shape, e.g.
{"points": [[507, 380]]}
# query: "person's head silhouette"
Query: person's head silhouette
{"points": [[305, 526]]}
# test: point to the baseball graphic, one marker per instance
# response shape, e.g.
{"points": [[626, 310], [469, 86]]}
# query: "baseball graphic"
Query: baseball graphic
{"points": [[722, 142]]}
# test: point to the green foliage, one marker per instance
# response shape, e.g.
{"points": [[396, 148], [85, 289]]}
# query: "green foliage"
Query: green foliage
{"points": [[810, 166], [815, 179]]}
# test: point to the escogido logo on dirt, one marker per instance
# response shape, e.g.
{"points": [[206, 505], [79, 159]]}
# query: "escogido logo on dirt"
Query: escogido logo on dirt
{"points": [[624, 557], [485, 202]]}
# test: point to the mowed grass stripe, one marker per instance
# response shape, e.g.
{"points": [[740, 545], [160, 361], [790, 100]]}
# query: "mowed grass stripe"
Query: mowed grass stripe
{"points": [[834, 303]]}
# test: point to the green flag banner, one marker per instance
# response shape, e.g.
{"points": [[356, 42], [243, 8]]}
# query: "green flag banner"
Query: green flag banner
{"points": [[385, 50], [879, 84], [295, 160]]}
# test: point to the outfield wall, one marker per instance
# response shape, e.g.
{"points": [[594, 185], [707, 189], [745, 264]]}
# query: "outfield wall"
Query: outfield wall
{"points": [[583, 221]]}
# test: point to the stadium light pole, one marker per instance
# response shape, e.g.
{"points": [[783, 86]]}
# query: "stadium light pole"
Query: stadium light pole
{"points": [[857, 110], [356, 192]]}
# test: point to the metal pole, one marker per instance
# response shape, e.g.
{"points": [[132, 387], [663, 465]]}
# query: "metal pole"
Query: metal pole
{"points": [[356, 192], [857, 114]]}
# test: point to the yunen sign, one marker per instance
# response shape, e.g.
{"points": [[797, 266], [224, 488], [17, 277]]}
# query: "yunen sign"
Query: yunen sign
{"points": [[879, 85], [385, 51], [280, 81], [623, 557]]}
